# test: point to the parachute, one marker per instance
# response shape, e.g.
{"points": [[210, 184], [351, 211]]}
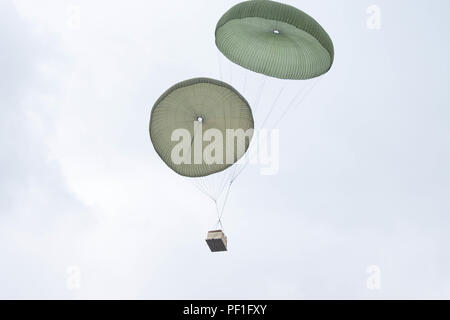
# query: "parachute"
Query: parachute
{"points": [[190, 109], [274, 53], [274, 39], [274, 42], [207, 102]]}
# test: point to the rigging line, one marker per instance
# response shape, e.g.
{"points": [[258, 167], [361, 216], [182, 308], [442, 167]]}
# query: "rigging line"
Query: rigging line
{"points": [[223, 178], [224, 175], [216, 183], [233, 175], [244, 165], [231, 74], [211, 182], [267, 117], [219, 222], [203, 191], [298, 94], [233, 168], [217, 210], [244, 87], [202, 182], [205, 187], [301, 100], [260, 93], [223, 182], [226, 180], [219, 217], [220, 65], [213, 178], [213, 189], [273, 105], [240, 171], [225, 198], [265, 120], [218, 177], [242, 79], [226, 148], [231, 172], [225, 201]]}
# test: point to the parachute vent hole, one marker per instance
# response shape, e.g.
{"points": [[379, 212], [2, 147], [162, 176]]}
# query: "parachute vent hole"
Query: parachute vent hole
{"points": [[276, 31]]}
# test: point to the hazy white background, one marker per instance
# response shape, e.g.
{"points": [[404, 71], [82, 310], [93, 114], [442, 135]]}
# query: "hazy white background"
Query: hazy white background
{"points": [[88, 210]]}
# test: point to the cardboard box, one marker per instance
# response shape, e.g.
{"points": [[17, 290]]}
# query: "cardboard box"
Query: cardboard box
{"points": [[216, 240]]}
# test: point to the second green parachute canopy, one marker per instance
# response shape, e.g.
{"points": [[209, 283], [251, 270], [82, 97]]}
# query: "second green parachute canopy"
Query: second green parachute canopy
{"points": [[213, 104], [274, 39]]}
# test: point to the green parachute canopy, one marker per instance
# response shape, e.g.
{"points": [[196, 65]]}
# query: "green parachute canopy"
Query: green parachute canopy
{"points": [[214, 104], [274, 39]]}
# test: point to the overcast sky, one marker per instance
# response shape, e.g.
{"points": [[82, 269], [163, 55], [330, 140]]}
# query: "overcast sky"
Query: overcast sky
{"points": [[88, 210]]}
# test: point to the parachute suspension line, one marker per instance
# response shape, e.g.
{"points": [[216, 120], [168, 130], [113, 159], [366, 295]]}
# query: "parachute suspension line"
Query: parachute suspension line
{"points": [[211, 183], [204, 190], [221, 207], [225, 177], [237, 172], [219, 61], [202, 184], [215, 181], [273, 106], [214, 185], [244, 86], [306, 93], [219, 218], [302, 90], [228, 175], [221, 210], [259, 94], [231, 74], [206, 186], [232, 174], [223, 182], [225, 174]]}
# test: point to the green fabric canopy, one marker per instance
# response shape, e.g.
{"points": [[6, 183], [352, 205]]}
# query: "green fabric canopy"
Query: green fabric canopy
{"points": [[274, 39], [218, 106]]}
